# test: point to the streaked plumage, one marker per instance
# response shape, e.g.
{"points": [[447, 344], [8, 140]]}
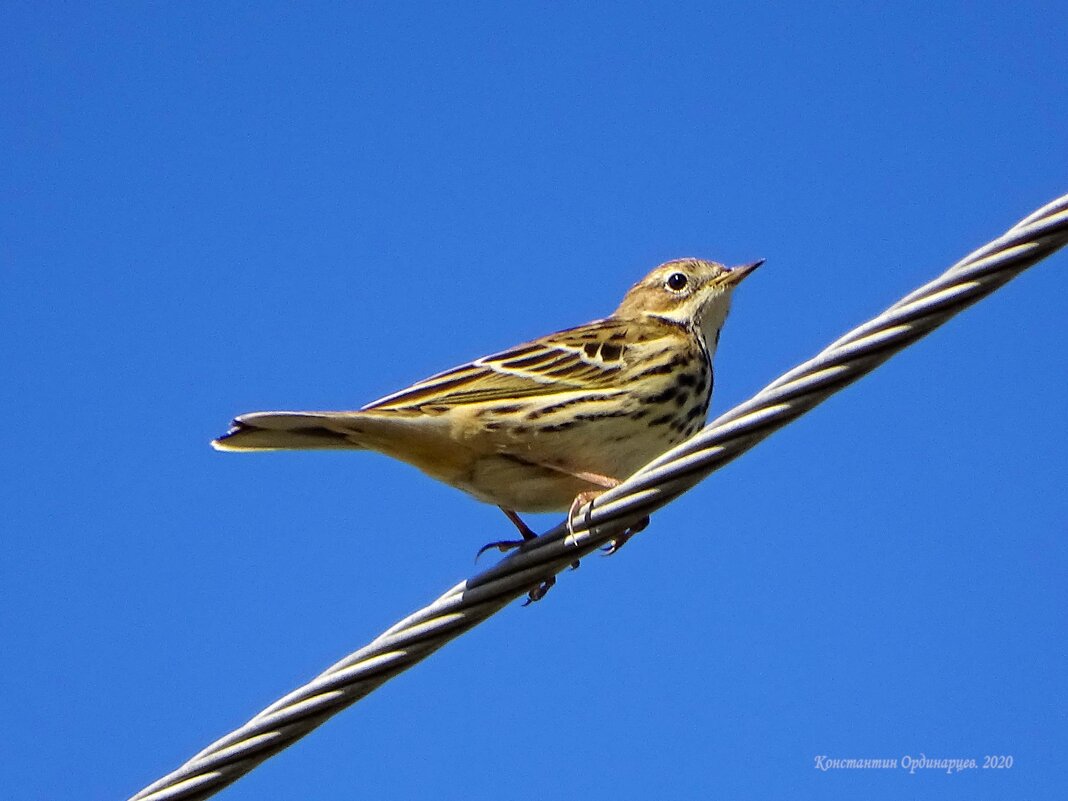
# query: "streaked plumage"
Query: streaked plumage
{"points": [[532, 427]]}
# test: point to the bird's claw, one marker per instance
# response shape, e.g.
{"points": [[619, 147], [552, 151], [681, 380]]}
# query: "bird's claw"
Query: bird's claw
{"points": [[547, 584], [504, 546], [621, 539], [539, 592]]}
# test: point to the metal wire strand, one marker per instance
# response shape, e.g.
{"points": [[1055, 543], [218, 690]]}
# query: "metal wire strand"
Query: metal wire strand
{"points": [[472, 601]]}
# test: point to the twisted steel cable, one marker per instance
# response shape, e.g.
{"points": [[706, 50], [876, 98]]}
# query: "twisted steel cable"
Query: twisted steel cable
{"points": [[472, 601]]}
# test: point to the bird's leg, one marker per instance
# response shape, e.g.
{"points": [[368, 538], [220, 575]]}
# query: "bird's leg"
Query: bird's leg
{"points": [[584, 498], [581, 500], [504, 546], [607, 482], [524, 529]]}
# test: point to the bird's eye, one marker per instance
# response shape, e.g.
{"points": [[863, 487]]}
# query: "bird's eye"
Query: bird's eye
{"points": [[676, 282]]}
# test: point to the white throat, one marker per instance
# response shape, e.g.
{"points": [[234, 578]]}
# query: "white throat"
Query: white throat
{"points": [[711, 317]]}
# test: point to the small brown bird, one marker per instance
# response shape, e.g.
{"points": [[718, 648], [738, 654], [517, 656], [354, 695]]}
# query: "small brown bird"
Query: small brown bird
{"points": [[551, 423]]}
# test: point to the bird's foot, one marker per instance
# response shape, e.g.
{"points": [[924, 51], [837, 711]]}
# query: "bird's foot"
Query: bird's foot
{"points": [[539, 592], [504, 546], [581, 500], [620, 540]]}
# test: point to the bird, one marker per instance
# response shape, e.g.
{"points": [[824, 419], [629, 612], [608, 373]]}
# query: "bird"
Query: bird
{"points": [[549, 424]]}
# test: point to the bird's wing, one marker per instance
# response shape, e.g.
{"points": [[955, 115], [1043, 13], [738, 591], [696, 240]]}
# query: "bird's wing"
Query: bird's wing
{"points": [[588, 357]]}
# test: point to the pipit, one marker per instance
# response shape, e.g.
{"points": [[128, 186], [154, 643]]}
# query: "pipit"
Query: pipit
{"points": [[551, 423]]}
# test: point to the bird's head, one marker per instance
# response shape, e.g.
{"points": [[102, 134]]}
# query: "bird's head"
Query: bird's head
{"points": [[691, 292]]}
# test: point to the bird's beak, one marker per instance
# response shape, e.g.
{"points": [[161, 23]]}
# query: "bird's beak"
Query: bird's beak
{"points": [[736, 274]]}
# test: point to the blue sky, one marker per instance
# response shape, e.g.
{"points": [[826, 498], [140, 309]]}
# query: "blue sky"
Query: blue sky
{"points": [[214, 210]]}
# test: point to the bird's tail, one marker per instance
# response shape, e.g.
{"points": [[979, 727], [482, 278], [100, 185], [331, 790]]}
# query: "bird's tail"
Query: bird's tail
{"points": [[277, 431]]}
